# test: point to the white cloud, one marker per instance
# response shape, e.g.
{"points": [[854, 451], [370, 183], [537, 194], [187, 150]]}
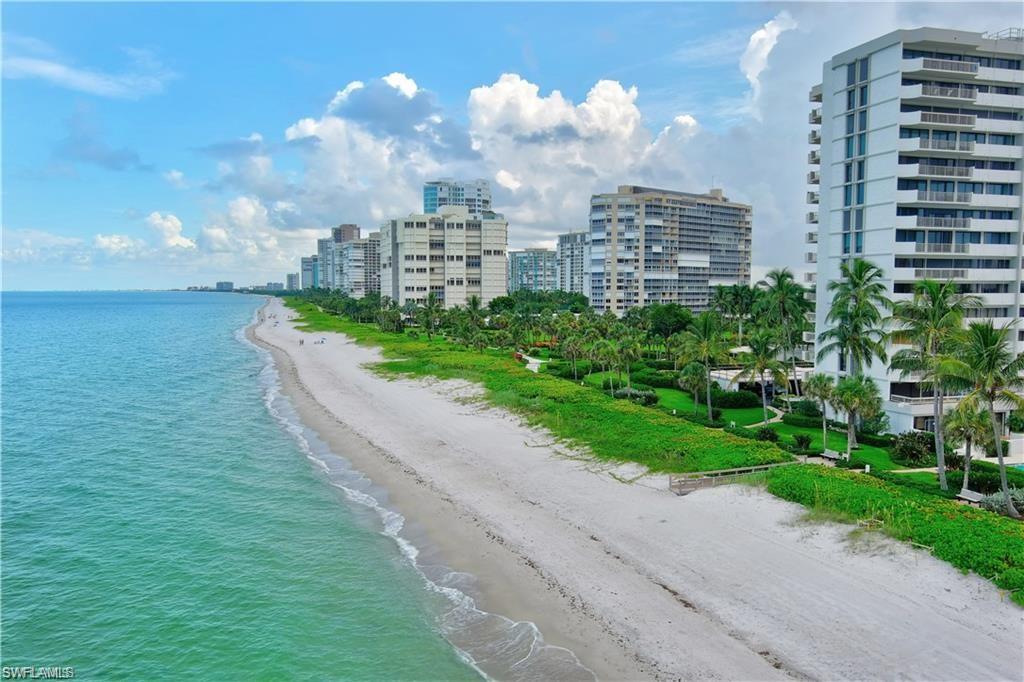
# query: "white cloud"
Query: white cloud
{"points": [[402, 83], [119, 245], [168, 229], [342, 95], [175, 178], [507, 180], [39, 246], [759, 48], [30, 58]]}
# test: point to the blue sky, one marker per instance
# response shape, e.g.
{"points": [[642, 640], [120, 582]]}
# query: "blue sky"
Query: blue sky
{"points": [[176, 144]]}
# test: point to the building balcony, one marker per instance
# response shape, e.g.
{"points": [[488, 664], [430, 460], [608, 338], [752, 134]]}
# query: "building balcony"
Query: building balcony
{"points": [[815, 94], [931, 118], [811, 257], [995, 100], [992, 175], [994, 200], [945, 67], [998, 151], [814, 157], [998, 125], [813, 178], [811, 238], [934, 147], [936, 94], [810, 277], [925, 247], [924, 169], [939, 273], [931, 221], [812, 198], [812, 218], [814, 117], [814, 137], [917, 196]]}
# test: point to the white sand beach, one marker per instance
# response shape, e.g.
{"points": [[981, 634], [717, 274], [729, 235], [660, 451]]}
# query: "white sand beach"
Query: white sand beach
{"points": [[726, 583]]}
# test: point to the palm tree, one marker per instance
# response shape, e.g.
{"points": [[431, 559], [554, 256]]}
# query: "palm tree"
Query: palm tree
{"points": [[629, 348], [761, 361], [856, 396], [968, 425], [708, 344], [692, 378], [475, 311], [675, 349], [783, 305], [428, 313], [572, 348], [984, 360], [929, 322], [857, 330], [820, 387]]}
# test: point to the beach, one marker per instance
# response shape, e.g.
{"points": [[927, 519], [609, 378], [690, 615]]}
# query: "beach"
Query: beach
{"points": [[725, 583]]}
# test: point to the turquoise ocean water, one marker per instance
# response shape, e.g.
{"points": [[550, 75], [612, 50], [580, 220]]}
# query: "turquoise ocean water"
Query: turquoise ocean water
{"points": [[160, 519]]}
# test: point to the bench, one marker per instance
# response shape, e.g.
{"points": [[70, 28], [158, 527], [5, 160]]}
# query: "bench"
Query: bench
{"points": [[969, 496], [832, 455]]}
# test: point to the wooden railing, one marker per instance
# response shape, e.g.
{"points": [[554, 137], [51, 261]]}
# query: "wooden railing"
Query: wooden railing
{"points": [[682, 484]]}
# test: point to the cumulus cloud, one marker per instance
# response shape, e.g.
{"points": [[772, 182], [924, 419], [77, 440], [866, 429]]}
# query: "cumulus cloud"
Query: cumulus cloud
{"points": [[27, 57], [168, 229], [40, 246], [759, 49], [119, 245]]}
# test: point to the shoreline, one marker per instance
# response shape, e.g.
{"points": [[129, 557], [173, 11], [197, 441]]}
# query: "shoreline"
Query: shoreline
{"points": [[442, 531], [633, 605]]}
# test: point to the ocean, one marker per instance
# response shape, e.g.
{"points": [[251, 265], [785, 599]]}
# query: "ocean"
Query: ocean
{"points": [[166, 515]]}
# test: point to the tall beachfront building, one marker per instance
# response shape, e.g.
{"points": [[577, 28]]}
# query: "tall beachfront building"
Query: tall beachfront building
{"points": [[661, 246], [310, 272], [454, 254], [532, 270], [359, 266], [474, 195], [293, 281], [327, 251], [920, 173], [572, 262]]}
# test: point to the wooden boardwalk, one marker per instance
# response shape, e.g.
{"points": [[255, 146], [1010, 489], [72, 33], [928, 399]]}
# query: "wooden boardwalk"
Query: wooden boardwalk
{"points": [[683, 484]]}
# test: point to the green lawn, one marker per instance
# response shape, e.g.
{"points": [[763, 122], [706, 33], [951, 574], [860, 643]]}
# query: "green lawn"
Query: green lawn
{"points": [[877, 457], [674, 399]]}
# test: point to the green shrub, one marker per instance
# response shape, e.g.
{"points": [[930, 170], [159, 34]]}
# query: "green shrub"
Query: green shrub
{"points": [[914, 448], [742, 432], [702, 418], [876, 425], [802, 441], [1015, 422], [734, 399], [637, 395], [613, 382], [996, 502], [970, 539], [985, 478], [794, 419], [662, 364], [878, 440], [768, 433], [807, 408], [658, 378]]}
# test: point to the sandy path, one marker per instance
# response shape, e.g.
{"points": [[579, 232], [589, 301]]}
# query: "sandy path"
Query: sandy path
{"points": [[723, 583]]}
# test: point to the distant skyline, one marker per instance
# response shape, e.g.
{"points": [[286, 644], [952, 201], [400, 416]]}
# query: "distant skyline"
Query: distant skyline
{"points": [[180, 144]]}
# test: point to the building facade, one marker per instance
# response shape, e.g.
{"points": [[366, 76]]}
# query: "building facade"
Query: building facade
{"points": [[359, 266], [572, 263], [474, 195], [919, 170], [225, 286], [532, 270], [292, 281], [310, 272], [661, 246], [345, 232], [326, 252], [456, 255]]}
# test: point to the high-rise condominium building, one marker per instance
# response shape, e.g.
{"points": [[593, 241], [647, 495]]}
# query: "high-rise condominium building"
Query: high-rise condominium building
{"points": [[572, 263], [310, 272], [327, 251], [359, 266], [920, 173], [225, 286], [293, 281], [455, 255], [475, 195], [532, 270], [661, 246]]}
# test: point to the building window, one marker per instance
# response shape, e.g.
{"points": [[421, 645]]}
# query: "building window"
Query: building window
{"points": [[862, 144], [846, 243], [862, 120], [858, 242], [863, 70], [864, 95], [849, 124], [846, 221], [858, 220], [851, 100], [860, 192], [848, 195], [851, 73]]}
